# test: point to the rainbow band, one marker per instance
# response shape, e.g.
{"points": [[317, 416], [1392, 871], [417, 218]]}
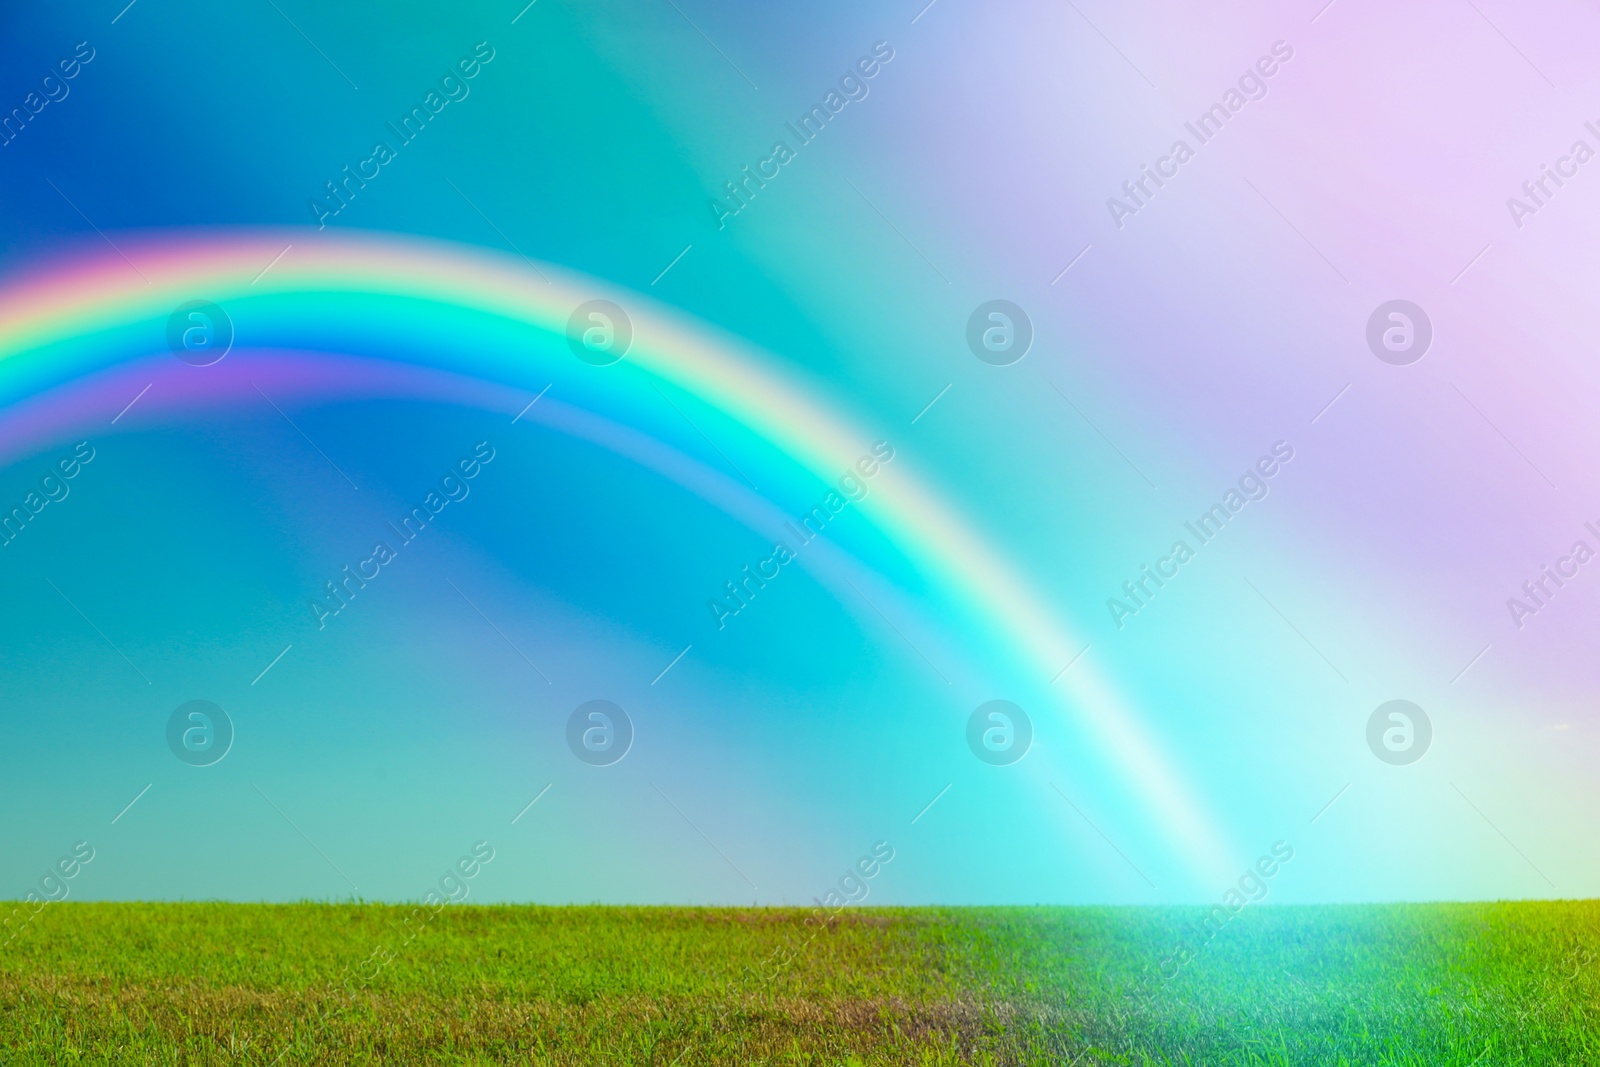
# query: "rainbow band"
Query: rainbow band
{"points": [[95, 312]]}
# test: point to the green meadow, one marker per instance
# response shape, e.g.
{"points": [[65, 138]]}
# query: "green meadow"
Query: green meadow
{"points": [[1422, 985]]}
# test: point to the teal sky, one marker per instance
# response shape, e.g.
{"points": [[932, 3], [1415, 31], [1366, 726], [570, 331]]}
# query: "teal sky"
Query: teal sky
{"points": [[1226, 319]]}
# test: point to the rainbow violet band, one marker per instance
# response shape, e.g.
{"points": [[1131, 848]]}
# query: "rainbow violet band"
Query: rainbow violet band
{"points": [[504, 320]]}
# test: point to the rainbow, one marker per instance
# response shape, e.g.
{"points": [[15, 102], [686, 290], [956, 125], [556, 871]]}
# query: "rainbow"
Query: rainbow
{"points": [[415, 301]]}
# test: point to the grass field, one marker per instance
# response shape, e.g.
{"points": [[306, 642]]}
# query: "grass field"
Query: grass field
{"points": [[1430, 986]]}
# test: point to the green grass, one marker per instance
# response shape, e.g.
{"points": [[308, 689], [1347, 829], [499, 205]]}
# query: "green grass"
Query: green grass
{"points": [[1426, 985]]}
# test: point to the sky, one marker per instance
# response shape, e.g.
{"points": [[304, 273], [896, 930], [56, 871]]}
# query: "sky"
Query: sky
{"points": [[799, 383]]}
